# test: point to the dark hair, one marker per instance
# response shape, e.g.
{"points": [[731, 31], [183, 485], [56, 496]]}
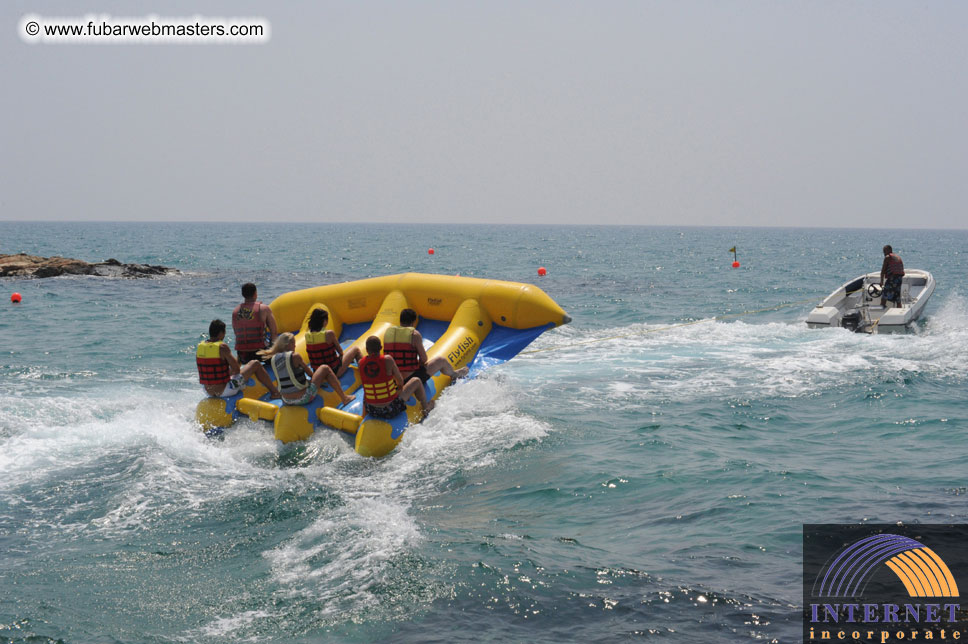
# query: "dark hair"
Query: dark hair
{"points": [[248, 290], [887, 249], [373, 344], [215, 327], [408, 316], [318, 320]]}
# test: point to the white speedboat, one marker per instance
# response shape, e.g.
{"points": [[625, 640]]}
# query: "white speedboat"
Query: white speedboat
{"points": [[857, 304]]}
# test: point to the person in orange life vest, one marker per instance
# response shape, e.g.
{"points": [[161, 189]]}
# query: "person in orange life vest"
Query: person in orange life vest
{"points": [[323, 346], [298, 383], [384, 391], [892, 273], [218, 370], [405, 344], [250, 320]]}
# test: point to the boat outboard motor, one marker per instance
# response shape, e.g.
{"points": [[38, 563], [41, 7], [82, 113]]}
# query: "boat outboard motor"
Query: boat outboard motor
{"points": [[851, 320]]}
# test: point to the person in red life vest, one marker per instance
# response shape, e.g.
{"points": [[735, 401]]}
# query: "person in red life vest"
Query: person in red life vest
{"points": [[384, 390], [892, 273], [251, 320], [405, 344], [323, 346], [218, 370], [298, 383]]}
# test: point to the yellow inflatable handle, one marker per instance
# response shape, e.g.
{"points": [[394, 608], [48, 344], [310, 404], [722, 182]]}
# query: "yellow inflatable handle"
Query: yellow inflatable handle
{"points": [[339, 419], [257, 409]]}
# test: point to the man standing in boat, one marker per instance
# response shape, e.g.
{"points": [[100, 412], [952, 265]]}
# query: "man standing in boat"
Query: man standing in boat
{"points": [[405, 344], [892, 272], [254, 325], [219, 372]]}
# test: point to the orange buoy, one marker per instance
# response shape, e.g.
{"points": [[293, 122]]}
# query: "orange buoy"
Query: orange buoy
{"points": [[430, 251], [542, 271], [735, 264], [15, 298]]}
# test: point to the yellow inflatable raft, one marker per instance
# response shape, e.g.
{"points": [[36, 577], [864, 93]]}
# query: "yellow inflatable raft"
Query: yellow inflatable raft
{"points": [[469, 321]]}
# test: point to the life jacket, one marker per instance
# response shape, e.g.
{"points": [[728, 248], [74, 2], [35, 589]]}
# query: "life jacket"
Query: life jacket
{"points": [[213, 369], [895, 267], [398, 342], [290, 382], [250, 330], [321, 352], [379, 387]]}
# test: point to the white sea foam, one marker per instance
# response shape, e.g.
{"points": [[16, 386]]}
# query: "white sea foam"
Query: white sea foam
{"points": [[338, 559], [342, 557], [168, 467], [476, 420], [642, 362], [167, 462], [224, 627]]}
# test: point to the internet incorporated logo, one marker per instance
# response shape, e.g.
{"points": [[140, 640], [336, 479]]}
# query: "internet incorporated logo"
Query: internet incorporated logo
{"points": [[859, 583]]}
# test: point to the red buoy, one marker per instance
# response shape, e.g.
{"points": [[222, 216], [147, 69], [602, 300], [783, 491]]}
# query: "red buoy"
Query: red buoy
{"points": [[542, 271], [735, 264], [430, 251], [15, 298]]}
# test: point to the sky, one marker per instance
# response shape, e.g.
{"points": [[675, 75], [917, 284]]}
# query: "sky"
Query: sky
{"points": [[666, 112]]}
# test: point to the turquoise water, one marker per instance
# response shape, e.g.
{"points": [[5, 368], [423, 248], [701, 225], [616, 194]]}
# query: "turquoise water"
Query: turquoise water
{"points": [[627, 480]]}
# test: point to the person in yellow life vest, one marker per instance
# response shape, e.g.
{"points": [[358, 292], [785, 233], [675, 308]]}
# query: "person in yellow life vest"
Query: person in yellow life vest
{"points": [[323, 346], [253, 324], [384, 390], [219, 372], [298, 383], [405, 344]]}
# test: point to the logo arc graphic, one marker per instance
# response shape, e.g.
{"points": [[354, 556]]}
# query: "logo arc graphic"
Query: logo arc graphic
{"points": [[920, 569]]}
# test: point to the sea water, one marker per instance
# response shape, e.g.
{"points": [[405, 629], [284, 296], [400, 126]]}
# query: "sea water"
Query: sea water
{"points": [[644, 471]]}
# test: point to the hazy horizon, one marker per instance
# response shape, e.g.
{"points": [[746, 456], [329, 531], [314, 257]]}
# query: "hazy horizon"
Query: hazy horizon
{"points": [[467, 223], [730, 114]]}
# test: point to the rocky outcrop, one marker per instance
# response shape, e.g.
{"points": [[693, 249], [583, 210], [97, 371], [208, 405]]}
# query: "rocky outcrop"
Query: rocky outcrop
{"points": [[23, 265]]}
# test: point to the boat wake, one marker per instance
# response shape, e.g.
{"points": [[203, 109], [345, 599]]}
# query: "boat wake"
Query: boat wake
{"points": [[644, 363]]}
